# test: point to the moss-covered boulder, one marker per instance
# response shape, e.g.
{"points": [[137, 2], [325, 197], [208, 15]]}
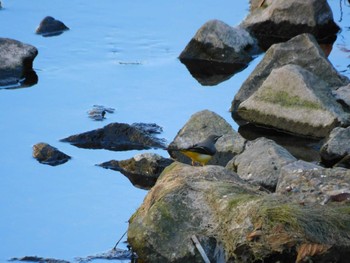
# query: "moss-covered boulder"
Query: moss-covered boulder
{"points": [[229, 215]]}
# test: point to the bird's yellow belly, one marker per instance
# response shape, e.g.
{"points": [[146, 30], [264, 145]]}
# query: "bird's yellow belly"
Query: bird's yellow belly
{"points": [[197, 157]]}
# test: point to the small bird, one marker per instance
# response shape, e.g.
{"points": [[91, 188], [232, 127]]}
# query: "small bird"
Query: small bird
{"points": [[201, 152]]}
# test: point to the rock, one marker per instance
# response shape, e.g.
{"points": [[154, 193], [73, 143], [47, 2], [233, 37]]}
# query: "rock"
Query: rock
{"points": [[217, 52], [294, 100], [98, 112], [230, 216], [16, 67], [308, 183], [342, 95], [278, 21], [199, 127], [142, 170], [49, 27], [336, 146], [46, 154], [116, 137], [301, 50], [261, 162]]}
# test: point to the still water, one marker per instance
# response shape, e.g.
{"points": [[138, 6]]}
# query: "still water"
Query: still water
{"points": [[120, 54]]}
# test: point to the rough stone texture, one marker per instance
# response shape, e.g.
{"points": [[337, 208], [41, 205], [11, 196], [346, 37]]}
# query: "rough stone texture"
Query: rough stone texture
{"points": [[261, 162], [142, 170], [49, 27], [336, 147], [16, 62], [46, 154], [278, 21], [309, 183], [301, 50], [295, 100], [217, 51], [199, 127], [342, 95], [116, 137], [230, 216]]}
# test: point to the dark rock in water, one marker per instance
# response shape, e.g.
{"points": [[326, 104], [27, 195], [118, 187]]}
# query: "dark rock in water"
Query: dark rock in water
{"points": [[336, 147], [199, 127], [16, 67], [46, 154], [49, 27], [278, 21], [39, 259], [98, 112], [116, 137], [142, 170], [261, 162], [217, 52], [151, 128], [113, 254]]}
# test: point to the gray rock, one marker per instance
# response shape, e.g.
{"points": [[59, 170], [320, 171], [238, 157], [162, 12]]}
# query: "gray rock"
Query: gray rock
{"points": [[336, 147], [98, 112], [230, 216], [16, 65], [199, 127], [217, 51], [308, 183], [142, 170], [342, 95], [301, 50], [46, 154], [116, 137], [294, 100], [261, 162], [49, 27], [278, 21]]}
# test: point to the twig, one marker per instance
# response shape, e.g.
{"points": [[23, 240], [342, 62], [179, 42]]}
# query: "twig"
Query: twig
{"points": [[200, 249], [120, 240]]}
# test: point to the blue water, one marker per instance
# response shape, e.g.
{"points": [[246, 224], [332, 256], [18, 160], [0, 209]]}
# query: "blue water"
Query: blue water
{"points": [[120, 54]]}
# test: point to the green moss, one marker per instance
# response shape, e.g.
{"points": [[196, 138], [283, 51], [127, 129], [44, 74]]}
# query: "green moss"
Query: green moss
{"points": [[240, 199], [284, 99]]}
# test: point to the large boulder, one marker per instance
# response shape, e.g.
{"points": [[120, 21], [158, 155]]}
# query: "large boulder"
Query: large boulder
{"points": [[233, 220], [16, 65], [118, 137], [199, 127], [294, 100], [47, 154], [301, 50], [273, 21], [261, 162], [142, 170], [336, 147], [217, 51]]}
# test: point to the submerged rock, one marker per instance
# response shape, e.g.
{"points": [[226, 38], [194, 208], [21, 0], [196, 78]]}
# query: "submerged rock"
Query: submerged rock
{"points": [[295, 100], [229, 215], [217, 52], [278, 21], [142, 170], [261, 162], [46, 154], [336, 146], [199, 127], [116, 137], [16, 67], [49, 27], [98, 112]]}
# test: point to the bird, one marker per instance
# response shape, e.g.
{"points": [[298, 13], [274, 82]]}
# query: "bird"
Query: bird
{"points": [[201, 152]]}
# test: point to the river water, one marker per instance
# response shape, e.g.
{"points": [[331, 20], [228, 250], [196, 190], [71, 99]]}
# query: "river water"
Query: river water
{"points": [[120, 54]]}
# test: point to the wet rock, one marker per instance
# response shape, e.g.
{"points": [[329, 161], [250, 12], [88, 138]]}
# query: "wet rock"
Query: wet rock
{"points": [[303, 51], [39, 259], [278, 21], [309, 183], [142, 170], [226, 213], [116, 137], [199, 127], [49, 27], [217, 52], [16, 67], [98, 112], [294, 100], [336, 146], [261, 162], [46, 154]]}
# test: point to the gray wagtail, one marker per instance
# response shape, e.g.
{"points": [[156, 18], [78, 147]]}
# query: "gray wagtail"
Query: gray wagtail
{"points": [[201, 152]]}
